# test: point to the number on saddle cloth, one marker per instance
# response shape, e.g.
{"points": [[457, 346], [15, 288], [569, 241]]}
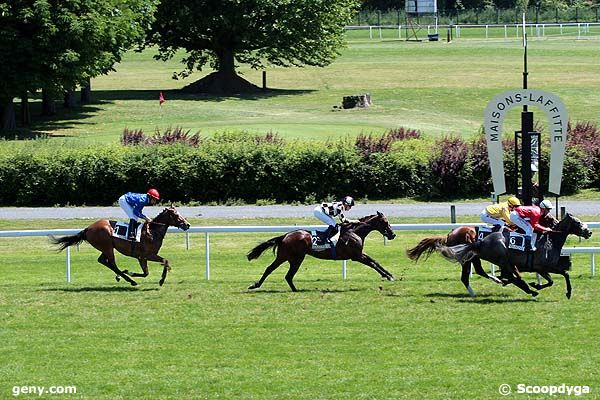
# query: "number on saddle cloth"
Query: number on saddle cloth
{"points": [[120, 230], [482, 232]]}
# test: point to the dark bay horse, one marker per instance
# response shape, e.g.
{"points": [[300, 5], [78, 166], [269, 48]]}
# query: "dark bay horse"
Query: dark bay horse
{"points": [[294, 246], [546, 259], [460, 235], [100, 235]]}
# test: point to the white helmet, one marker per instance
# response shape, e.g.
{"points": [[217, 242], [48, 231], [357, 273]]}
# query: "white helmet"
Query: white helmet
{"points": [[348, 200], [546, 204]]}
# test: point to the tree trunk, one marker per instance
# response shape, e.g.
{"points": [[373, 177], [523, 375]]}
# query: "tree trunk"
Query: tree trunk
{"points": [[70, 101], [86, 93], [25, 111], [226, 61], [7, 115], [224, 80], [48, 104]]}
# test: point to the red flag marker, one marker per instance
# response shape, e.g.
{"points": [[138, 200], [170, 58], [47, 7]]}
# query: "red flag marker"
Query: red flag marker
{"points": [[161, 98]]}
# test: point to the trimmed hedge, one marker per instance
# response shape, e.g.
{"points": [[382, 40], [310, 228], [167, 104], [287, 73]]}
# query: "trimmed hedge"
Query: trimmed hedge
{"points": [[240, 167]]}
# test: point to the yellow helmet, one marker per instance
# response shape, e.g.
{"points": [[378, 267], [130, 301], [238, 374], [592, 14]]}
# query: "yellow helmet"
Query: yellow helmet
{"points": [[513, 201]]}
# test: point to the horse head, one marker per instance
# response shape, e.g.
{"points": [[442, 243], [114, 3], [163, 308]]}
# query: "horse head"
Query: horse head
{"points": [[170, 217], [572, 225], [380, 223]]}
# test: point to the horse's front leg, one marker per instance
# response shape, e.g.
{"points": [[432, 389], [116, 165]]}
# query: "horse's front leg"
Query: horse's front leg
{"points": [[368, 261], [144, 265], [565, 274], [165, 264]]}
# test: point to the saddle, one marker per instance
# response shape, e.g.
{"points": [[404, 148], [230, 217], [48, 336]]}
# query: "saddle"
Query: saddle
{"points": [[120, 230], [321, 242]]}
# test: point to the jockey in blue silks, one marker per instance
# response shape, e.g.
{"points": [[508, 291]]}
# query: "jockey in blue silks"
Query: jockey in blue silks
{"points": [[326, 212], [133, 203]]}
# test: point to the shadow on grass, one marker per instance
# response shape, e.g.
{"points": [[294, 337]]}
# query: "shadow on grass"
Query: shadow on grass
{"points": [[112, 95], [483, 298], [315, 290], [100, 289]]}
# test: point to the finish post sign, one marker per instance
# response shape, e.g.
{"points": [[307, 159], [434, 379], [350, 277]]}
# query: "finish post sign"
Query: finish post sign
{"points": [[558, 119]]}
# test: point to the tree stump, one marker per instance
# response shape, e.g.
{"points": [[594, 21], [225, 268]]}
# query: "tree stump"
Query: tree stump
{"points": [[362, 101]]}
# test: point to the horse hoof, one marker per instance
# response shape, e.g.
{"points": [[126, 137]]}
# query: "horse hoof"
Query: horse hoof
{"points": [[117, 278], [161, 282], [126, 272], [568, 295], [254, 286], [390, 278], [133, 283], [534, 294]]}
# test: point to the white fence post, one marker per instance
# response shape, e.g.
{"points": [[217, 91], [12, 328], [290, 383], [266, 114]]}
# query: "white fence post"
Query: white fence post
{"points": [[344, 269], [207, 243]]}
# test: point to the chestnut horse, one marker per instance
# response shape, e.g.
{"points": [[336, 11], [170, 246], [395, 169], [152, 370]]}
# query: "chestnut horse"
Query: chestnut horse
{"points": [[460, 235], [294, 246], [100, 236]]}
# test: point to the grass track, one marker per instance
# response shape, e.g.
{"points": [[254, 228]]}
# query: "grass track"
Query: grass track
{"points": [[433, 86], [418, 337]]}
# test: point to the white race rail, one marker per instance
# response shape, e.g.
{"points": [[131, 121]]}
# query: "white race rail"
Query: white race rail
{"points": [[283, 228]]}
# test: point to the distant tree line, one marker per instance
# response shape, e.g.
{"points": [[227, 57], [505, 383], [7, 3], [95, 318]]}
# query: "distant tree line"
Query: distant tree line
{"points": [[384, 5]]}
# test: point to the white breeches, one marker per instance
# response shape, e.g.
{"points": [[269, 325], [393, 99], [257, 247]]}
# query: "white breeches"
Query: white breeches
{"points": [[522, 223], [127, 208], [328, 219], [485, 217]]}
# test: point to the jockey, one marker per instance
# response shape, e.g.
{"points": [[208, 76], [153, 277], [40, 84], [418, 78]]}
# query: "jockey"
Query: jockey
{"points": [[499, 214], [531, 225], [327, 211], [133, 203]]}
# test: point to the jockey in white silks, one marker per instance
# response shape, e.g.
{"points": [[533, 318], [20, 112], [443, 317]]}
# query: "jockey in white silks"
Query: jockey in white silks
{"points": [[327, 212]]}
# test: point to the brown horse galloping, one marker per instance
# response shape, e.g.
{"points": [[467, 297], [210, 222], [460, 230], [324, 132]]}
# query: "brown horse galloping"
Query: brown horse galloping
{"points": [[100, 236], [294, 246], [460, 235]]}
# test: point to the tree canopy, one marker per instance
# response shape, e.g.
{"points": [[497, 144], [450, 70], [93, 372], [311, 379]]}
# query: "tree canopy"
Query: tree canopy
{"points": [[219, 33], [59, 44]]}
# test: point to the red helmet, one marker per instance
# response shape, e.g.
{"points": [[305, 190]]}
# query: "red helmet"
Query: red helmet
{"points": [[154, 193]]}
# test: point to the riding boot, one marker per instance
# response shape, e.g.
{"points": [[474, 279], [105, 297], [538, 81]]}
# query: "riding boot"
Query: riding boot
{"points": [[131, 229], [331, 231]]}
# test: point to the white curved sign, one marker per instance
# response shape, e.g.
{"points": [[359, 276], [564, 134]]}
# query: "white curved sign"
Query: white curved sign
{"points": [[558, 119]]}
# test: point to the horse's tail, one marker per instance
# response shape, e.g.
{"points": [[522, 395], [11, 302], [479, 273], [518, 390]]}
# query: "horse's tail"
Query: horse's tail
{"points": [[258, 250], [461, 252], [66, 241], [427, 246]]}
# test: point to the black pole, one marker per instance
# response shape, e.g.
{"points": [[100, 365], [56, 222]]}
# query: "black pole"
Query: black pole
{"points": [[526, 128]]}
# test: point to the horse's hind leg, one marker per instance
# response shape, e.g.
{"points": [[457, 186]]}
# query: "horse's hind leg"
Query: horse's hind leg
{"points": [[109, 261], [144, 265], [272, 267], [547, 277], [479, 270], [294, 266], [464, 277]]}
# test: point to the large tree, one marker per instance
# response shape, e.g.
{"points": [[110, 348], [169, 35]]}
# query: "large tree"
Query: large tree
{"points": [[57, 45], [219, 33]]}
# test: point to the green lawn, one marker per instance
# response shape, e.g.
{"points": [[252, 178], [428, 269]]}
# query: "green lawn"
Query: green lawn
{"points": [[418, 337], [437, 87]]}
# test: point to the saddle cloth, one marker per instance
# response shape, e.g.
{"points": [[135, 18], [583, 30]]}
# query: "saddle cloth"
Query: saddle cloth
{"points": [[120, 230], [320, 242], [515, 240]]}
